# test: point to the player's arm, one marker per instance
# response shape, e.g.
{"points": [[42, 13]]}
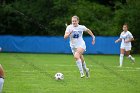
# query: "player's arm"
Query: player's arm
{"points": [[90, 33], [67, 34], [118, 40], [1, 71], [131, 39]]}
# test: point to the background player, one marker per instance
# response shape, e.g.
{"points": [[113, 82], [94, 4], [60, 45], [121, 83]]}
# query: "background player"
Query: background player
{"points": [[126, 37], [77, 44]]}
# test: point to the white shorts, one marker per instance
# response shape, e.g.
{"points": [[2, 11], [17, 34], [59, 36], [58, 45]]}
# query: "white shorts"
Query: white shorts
{"points": [[126, 48], [73, 49]]}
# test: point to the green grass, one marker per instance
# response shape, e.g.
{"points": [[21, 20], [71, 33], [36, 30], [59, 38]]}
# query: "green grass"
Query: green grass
{"points": [[34, 73]]}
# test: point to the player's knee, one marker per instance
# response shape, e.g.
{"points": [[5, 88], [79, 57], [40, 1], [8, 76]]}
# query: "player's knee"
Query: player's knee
{"points": [[77, 56], [121, 55]]}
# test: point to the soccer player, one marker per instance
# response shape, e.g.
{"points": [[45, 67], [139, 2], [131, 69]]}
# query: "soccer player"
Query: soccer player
{"points": [[77, 44], [126, 37], [1, 78]]}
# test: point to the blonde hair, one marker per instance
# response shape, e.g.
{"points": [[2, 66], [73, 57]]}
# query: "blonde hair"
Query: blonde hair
{"points": [[76, 17]]}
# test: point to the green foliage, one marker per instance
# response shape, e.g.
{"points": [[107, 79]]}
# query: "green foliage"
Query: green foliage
{"points": [[43, 17]]}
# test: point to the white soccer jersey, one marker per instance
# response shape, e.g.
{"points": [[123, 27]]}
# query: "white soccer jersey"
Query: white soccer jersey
{"points": [[126, 36], [76, 37]]}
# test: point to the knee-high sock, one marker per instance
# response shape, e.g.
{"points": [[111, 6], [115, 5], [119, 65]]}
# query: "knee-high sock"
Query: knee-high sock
{"points": [[1, 84], [121, 59], [84, 65], [79, 65]]}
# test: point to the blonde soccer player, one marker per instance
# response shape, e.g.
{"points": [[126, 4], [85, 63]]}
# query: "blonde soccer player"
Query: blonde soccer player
{"points": [[77, 44], [126, 37]]}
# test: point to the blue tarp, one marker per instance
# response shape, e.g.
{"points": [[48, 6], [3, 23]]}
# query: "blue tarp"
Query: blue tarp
{"points": [[55, 44]]}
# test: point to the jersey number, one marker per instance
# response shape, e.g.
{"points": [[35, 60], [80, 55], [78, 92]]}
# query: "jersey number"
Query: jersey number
{"points": [[76, 36]]}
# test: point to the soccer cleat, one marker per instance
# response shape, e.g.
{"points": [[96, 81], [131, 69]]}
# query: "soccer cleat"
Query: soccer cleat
{"points": [[87, 73], [82, 75], [133, 60], [120, 66]]}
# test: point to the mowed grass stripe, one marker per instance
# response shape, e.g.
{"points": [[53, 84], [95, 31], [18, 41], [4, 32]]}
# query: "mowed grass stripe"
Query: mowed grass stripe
{"points": [[111, 71], [22, 77]]}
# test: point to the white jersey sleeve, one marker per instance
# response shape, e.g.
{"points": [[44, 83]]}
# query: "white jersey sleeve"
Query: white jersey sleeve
{"points": [[84, 28], [130, 35], [122, 36], [69, 28]]}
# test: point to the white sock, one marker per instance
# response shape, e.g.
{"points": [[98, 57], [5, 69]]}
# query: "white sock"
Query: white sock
{"points": [[121, 59], [84, 65], [1, 84], [79, 65]]}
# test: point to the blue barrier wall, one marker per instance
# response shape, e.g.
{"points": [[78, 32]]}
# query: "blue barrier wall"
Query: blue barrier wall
{"points": [[46, 44]]}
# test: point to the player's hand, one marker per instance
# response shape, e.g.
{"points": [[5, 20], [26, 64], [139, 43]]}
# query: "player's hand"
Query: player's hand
{"points": [[93, 42], [116, 41], [66, 24], [70, 32], [126, 41]]}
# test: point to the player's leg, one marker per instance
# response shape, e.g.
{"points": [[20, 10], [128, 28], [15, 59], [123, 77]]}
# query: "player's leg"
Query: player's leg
{"points": [[1, 84], [128, 54], [84, 66], [83, 62], [77, 55], [121, 56]]}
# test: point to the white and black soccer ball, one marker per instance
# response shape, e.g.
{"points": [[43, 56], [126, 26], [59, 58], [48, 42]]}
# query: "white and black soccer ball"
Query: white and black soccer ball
{"points": [[59, 76]]}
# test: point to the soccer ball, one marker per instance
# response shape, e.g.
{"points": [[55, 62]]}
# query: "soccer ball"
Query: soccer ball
{"points": [[59, 76]]}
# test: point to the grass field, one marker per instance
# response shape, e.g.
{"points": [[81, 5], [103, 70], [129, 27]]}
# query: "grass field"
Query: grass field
{"points": [[34, 73]]}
